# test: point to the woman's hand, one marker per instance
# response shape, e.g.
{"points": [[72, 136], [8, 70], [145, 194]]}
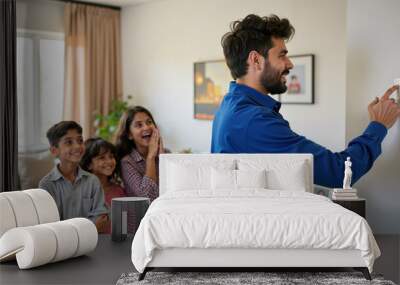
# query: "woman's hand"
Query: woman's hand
{"points": [[154, 144], [161, 146]]}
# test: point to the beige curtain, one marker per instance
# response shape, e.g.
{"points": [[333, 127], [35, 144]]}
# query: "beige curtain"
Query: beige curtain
{"points": [[92, 63]]}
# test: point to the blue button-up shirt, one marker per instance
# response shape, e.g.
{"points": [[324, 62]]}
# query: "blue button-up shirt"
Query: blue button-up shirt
{"points": [[248, 121]]}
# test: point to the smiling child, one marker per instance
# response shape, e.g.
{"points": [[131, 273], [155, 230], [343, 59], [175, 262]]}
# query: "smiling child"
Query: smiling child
{"points": [[76, 192]]}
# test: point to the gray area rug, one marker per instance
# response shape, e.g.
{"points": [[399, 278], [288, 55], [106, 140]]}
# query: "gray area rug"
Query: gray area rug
{"points": [[270, 278]]}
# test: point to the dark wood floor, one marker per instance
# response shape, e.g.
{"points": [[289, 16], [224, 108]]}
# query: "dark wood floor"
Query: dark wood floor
{"points": [[110, 260], [102, 266], [389, 262]]}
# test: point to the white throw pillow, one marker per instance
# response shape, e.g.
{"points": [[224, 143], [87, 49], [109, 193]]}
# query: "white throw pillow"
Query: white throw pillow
{"points": [[223, 179], [289, 175], [188, 177], [226, 179], [193, 175], [251, 178], [292, 178]]}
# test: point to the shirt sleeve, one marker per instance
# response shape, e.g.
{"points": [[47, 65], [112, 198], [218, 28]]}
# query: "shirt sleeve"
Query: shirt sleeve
{"points": [[49, 187], [269, 134], [45, 185], [136, 184], [98, 207]]}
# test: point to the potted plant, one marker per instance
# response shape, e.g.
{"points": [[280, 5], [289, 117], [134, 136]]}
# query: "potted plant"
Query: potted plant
{"points": [[106, 125]]}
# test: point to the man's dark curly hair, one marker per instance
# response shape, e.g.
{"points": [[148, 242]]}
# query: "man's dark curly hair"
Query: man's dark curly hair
{"points": [[252, 33]]}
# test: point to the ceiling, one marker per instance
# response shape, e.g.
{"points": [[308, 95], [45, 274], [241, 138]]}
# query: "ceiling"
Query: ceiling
{"points": [[119, 3]]}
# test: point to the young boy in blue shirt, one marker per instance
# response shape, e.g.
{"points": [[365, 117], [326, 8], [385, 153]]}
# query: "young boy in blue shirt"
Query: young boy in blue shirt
{"points": [[76, 192]]}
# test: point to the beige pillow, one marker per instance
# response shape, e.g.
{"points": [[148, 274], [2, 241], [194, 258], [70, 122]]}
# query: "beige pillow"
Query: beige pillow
{"points": [[32, 167]]}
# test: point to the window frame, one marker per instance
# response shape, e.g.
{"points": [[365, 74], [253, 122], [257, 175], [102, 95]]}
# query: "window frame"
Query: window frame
{"points": [[34, 143]]}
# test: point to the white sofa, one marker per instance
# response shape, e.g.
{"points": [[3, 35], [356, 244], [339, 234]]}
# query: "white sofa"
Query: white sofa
{"points": [[31, 230]]}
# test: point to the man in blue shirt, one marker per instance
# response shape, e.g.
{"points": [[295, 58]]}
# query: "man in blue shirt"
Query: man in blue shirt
{"points": [[248, 120]]}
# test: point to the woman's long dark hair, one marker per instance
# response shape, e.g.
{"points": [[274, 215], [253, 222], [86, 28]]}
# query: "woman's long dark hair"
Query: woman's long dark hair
{"points": [[95, 147], [123, 143]]}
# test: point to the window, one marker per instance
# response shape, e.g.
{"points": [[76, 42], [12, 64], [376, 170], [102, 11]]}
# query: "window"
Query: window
{"points": [[40, 87]]}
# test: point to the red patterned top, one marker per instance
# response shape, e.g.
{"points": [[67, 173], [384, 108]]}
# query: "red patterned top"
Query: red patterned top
{"points": [[113, 191]]}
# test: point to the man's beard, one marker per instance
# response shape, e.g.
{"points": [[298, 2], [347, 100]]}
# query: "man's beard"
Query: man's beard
{"points": [[271, 79]]}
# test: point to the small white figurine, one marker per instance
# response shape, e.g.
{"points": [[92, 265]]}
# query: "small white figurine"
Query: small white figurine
{"points": [[347, 174]]}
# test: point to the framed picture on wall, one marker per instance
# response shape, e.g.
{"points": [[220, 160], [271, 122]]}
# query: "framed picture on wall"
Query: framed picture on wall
{"points": [[211, 83], [300, 81]]}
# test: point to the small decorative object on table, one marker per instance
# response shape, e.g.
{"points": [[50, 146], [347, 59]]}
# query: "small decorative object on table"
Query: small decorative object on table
{"points": [[347, 196], [345, 193], [127, 211]]}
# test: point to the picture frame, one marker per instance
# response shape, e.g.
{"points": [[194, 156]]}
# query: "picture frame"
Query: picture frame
{"points": [[211, 83], [212, 78], [300, 81]]}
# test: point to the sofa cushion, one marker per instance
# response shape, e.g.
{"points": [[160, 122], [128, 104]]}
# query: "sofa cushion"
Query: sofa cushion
{"points": [[40, 244], [31, 246], [32, 167], [26, 208], [45, 205], [23, 208], [7, 220], [67, 240]]}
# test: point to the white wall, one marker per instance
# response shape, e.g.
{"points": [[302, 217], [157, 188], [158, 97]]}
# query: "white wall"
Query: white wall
{"points": [[373, 61], [161, 40]]}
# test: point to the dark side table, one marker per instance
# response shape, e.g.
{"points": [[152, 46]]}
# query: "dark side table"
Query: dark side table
{"points": [[127, 212], [355, 205]]}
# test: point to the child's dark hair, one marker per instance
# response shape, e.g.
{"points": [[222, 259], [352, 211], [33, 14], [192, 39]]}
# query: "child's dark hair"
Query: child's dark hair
{"points": [[57, 131], [122, 141], [95, 147]]}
